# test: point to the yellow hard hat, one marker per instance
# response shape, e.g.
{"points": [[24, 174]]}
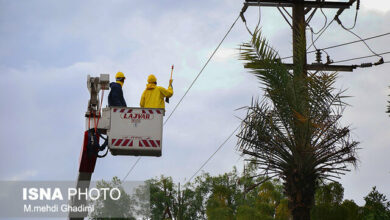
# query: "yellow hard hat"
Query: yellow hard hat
{"points": [[152, 78], [120, 75]]}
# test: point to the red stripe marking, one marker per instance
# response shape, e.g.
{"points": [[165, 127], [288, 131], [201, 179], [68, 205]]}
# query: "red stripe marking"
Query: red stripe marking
{"points": [[143, 111], [125, 142], [153, 143], [158, 142], [158, 111], [115, 109], [122, 110], [113, 141], [145, 142], [130, 110], [118, 142], [151, 111], [140, 144], [131, 143]]}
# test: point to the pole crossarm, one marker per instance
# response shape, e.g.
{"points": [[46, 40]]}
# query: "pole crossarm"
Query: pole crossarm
{"points": [[286, 3], [318, 67], [326, 67]]}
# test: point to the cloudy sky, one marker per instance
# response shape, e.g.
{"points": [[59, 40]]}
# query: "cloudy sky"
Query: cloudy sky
{"points": [[49, 47]]}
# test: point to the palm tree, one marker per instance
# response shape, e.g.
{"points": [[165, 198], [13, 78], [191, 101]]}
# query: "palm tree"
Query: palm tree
{"points": [[294, 132]]}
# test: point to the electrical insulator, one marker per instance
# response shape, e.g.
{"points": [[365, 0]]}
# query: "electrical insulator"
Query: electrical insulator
{"points": [[363, 65], [328, 60], [381, 61], [318, 56]]}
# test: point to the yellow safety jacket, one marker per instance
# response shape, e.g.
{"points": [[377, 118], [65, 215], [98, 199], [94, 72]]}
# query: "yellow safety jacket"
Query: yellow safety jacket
{"points": [[153, 96]]}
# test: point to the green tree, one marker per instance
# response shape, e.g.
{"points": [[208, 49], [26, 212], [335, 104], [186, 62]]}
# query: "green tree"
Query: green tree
{"points": [[222, 194], [282, 212], [328, 199], [189, 206], [351, 210], [329, 204], [230, 196], [165, 194], [331, 193], [294, 133], [219, 204], [376, 207], [264, 201], [268, 199], [162, 196], [107, 208]]}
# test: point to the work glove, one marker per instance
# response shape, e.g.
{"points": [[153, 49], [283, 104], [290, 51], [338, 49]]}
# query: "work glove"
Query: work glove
{"points": [[170, 85], [170, 82]]}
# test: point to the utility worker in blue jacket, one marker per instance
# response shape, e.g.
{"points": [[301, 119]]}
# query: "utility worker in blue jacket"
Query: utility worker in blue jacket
{"points": [[115, 98]]}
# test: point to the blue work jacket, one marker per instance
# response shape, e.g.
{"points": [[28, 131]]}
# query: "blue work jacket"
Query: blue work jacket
{"points": [[115, 98]]}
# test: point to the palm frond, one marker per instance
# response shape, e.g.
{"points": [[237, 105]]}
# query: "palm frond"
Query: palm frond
{"points": [[296, 127]]}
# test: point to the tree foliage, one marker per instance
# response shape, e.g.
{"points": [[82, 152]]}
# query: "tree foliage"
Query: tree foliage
{"points": [[107, 208], [294, 132], [237, 196], [328, 200], [377, 206]]}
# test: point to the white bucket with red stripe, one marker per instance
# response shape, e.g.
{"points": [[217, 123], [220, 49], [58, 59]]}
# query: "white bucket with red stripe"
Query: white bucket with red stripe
{"points": [[135, 131]]}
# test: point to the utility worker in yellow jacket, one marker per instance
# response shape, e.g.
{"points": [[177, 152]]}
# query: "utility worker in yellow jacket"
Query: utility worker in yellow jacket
{"points": [[153, 96]]}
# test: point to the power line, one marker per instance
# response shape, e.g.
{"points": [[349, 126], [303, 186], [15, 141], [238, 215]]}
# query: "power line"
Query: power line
{"points": [[200, 72], [357, 58], [193, 82], [325, 23], [343, 44], [356, 15], [131, 169], [244, 20], [212, 155], [350, 31], [336, 17], [320, 34], [352, 42], [312, 35]]}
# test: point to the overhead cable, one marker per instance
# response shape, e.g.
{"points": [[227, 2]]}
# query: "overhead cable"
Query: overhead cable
{"points": [[323, 31], [200, 72], [362, 40], [193, 82], [356, 15], [131, 169], [352, 42], [344, 44], [325, 23], [336, 18], [212, 155], [244, 20], [358, 58]]}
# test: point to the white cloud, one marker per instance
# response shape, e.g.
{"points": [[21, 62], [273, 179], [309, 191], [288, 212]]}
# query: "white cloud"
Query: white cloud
{"points": [[377, 5], [225, 54]]}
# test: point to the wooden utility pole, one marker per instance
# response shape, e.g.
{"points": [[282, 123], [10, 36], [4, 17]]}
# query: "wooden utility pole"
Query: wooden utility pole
{"points": [[299, 35], [301, 200]]}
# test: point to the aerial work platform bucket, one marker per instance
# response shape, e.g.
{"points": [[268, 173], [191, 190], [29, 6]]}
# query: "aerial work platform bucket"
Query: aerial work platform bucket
{"points": [[135, 131]]}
